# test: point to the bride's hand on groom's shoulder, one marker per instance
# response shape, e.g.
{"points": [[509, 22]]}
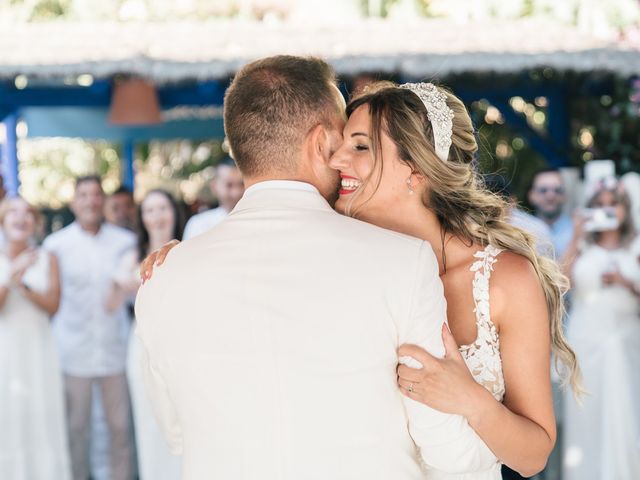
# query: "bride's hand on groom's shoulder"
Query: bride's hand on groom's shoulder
{"points": [[444, 384], [155, 259]]}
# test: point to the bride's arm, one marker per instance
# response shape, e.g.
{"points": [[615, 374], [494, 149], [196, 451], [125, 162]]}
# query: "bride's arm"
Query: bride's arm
{"points": [[521, 431]]}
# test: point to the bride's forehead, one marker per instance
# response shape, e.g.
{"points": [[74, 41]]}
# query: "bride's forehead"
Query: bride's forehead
{"points": [[359, 118]]}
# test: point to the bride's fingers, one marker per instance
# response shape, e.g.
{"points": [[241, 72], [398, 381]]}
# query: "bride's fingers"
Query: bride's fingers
{"points": [[164, 251], [162, 254], [409, 374], [407, 385], [146, 268], [409, 390]]}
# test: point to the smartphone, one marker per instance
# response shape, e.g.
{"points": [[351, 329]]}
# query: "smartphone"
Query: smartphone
{"points": [[600, 219]]}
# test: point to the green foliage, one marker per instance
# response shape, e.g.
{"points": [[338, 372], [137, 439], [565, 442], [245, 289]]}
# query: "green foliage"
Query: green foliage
{"points": [[50, 9]]}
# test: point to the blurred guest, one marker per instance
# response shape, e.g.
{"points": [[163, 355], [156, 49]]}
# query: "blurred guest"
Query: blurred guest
{"points": [[228, 187], [160, 221], [3, 191], [120, 209], [91, 339], [33, 438], [631, 185], [518, 217], [548, 197], [601, 437]]}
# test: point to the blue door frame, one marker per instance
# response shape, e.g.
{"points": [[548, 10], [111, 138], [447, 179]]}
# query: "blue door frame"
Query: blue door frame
{"points": [[12, 99]]}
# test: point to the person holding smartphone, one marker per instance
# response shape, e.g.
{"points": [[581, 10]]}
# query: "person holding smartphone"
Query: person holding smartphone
{"points": [[601, 436]]}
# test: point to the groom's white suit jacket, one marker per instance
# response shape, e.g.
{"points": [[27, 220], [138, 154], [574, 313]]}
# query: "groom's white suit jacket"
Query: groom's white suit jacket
{"points": [[271, 347]]}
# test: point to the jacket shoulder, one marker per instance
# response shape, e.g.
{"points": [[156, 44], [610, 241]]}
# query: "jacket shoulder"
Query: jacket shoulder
{"points": [[369, 232]]}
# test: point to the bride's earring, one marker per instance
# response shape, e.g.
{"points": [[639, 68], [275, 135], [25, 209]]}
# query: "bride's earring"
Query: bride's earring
{"points": [[409, 185]]}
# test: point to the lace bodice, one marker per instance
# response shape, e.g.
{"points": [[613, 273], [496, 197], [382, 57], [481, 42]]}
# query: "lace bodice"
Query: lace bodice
{"points": [[483, 355]]}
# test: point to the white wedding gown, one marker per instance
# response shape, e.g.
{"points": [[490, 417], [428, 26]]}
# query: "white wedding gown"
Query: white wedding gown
{"points": [[33, 440], [602, 438], [483, 355]]}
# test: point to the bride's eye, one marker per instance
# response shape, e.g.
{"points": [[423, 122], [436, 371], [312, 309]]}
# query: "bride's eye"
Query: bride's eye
{"points": [[360, 147]]}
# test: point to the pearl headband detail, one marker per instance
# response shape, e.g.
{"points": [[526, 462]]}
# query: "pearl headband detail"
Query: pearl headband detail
{"points": [[439, 114]]}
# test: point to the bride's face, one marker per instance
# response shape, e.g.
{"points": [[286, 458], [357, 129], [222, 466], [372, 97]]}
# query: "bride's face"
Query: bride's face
{"points": [[369, 188]]}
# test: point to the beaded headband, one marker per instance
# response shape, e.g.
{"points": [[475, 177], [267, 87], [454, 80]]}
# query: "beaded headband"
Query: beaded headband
{"points": [[439, 114]]}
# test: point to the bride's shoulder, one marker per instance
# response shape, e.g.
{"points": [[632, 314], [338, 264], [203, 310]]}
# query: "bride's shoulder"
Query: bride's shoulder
{"points": [[514, 284], [512, 271]]}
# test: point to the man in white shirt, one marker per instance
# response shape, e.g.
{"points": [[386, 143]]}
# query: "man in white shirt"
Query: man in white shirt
{"points": [[293, 375], [228, 187], [92, 340]]}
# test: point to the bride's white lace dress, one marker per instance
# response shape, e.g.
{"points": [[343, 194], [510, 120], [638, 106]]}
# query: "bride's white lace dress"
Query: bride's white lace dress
{"points": [[483, 355], [602, 438]]}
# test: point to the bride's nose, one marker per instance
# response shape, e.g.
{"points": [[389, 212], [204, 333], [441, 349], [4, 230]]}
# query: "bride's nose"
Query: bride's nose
{"points": [[338, 160]]}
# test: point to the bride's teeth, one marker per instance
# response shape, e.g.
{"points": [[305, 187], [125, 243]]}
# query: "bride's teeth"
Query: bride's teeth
{"points": [[350, 184]]}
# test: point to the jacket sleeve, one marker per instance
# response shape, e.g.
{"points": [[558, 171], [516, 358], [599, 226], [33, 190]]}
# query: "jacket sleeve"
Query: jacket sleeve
{"points": [[155, 383], [446, 442]]}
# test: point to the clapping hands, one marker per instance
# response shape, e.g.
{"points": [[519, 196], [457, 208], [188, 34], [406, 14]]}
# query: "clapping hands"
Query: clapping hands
{"points": [[20, 264]]}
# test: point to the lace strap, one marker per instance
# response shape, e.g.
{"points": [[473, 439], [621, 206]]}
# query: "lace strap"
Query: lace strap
{"points": [[483, 267]]}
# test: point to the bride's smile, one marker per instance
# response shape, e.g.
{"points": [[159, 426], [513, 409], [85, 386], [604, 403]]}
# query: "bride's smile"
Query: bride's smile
{"points": [[349, 184]]}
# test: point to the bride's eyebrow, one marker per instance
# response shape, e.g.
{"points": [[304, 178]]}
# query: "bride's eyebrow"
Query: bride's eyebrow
{"points": [[355, 134]]}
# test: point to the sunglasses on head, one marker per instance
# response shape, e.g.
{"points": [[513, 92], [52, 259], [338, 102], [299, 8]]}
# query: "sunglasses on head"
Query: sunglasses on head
{"points": [[545, 190]]}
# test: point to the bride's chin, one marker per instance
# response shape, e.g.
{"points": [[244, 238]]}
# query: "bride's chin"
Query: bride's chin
{"points": [[340, 206]]}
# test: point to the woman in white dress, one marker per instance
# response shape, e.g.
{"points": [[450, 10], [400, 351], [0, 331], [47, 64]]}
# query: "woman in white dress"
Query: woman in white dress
{"points": [[159, 222], [33, 439], [407, 165], [602, 436]]}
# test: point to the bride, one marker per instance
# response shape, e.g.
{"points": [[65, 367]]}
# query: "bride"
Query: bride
{"points": [[407, 165]]}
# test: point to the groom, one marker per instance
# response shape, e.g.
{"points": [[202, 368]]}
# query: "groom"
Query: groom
{"points": [[292, 375]]}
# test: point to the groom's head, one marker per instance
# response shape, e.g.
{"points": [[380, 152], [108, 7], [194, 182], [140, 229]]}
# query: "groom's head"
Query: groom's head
{"points": [[283, 118]]}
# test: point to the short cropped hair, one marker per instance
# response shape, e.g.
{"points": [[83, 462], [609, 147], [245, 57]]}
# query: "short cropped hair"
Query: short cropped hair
{"points": [[122, 190], [270, 107], [88, 179]]}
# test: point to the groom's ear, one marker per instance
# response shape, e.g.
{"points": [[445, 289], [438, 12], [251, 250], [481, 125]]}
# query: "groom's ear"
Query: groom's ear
{"points": [[319, 144]]}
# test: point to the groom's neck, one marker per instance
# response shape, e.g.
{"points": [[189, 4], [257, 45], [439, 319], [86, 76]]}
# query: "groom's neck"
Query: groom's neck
{"points": [[249, 181]]}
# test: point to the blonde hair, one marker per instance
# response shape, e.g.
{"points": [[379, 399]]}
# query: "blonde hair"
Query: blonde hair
{"points": [[5, 204], [464, 207]]}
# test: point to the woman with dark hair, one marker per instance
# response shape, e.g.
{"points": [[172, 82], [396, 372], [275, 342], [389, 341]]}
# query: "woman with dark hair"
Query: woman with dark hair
{"points": [[159, 221], [601, 436]]}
